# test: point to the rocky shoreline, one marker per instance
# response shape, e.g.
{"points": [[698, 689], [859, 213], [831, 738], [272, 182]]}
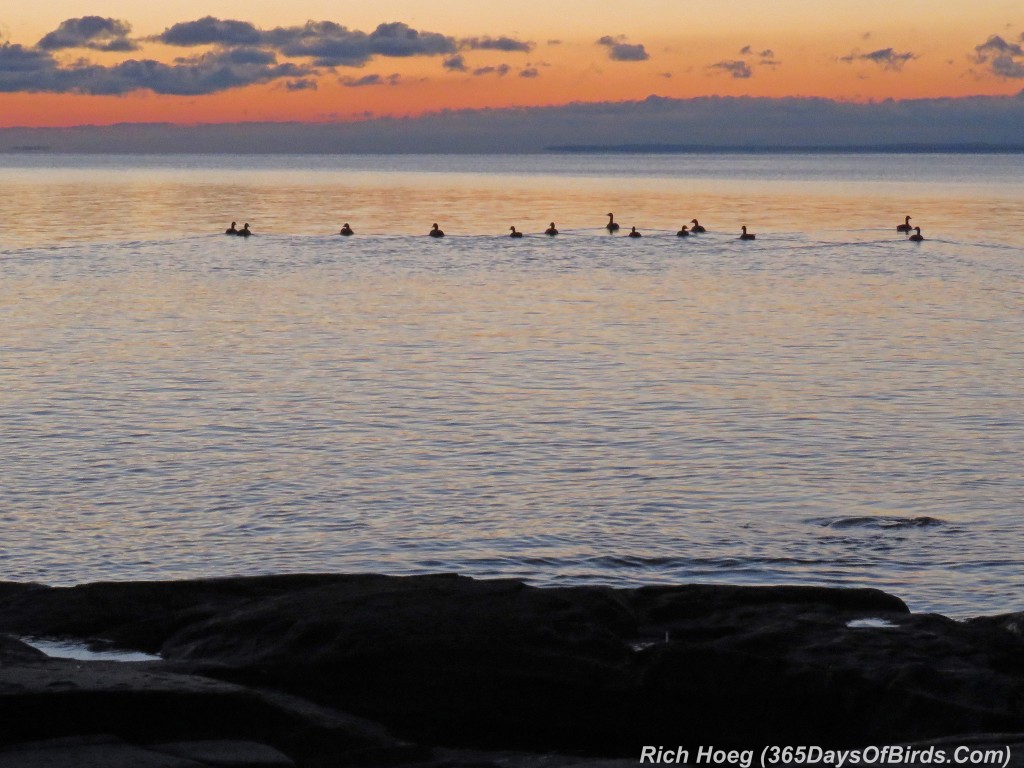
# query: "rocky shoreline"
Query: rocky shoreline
{"points": [[331, 670]]}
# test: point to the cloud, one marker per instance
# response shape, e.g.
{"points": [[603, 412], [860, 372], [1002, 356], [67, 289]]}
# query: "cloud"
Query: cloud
{"points": [[620, 50], [95, 32], [743, 69], [529, 72], [500, 70], [887, 58], [241, 54], [995, 45], [1004, 66], [739, 70], [496, 44], [26, 69], [235, 56], [456, 63], [351, 82], [305, 84], [211, 31], [330, 44], [1003, 59], [32, 70]]}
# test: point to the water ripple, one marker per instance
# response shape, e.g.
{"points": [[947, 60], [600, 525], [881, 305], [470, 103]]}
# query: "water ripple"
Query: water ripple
{"points": [[828, 404]]}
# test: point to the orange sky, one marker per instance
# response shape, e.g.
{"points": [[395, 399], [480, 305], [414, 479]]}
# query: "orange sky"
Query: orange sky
{"points": [[702, 51]]}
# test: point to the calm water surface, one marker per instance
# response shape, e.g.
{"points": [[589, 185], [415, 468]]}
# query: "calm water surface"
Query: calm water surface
{"points": [[829, 404]]}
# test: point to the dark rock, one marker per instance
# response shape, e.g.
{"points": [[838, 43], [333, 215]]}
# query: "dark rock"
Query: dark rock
{"points": [[453, 661], [666, 605], [14, 650], [144, 703], [111, 752], [94, 752], [136, 615], [226, 754], [9, 589], [478, 662]]}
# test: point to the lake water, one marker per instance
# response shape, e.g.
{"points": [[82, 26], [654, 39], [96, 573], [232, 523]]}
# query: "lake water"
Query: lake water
{"points": [[829, 404]]}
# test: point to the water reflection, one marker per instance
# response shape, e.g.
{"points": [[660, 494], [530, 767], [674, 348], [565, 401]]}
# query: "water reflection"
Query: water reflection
{"points": [[82, 198], [580, 408]]}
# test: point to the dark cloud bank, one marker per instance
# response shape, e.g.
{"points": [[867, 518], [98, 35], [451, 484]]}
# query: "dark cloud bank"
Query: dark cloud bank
{"points": [[242, 54], [655, 122], [33, 70]]}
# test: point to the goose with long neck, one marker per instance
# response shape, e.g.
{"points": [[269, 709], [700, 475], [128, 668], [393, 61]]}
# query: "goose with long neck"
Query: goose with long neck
{"points": [[611, 226], [905, 226], [746, 235], [916, 237], [435, 231], [634, 233], [514, 233], [696, 226], [684, 232], [551, 229]]}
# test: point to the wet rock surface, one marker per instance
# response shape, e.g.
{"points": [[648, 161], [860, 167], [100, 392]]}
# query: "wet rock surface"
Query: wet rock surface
{"points": [[365, 669]]}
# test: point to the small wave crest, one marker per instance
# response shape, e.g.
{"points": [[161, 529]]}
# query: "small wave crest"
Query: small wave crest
{"points": [[880, 522]]}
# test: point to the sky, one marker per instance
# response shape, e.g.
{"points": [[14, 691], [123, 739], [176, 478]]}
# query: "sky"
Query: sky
{"points": [[101, 62]]}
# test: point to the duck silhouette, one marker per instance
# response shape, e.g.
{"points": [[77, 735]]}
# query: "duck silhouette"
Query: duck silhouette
{"points": [[746, 235], [905, 226], [514, 233], [244, 231], [916, 237], [696, 226], [634, 233], [551, 229], [346, 230], [684, 232], [435, 232], [231, 230], [611, 226]]}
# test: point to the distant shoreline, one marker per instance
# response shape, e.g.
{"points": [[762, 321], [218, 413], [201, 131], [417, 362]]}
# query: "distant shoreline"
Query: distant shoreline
{"points": [[847, 149], [578, 149], [972, 124]]}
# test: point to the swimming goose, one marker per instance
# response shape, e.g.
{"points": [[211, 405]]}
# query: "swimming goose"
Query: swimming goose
{"points": [[551, 230], [684, 232], [634, 233], [244, 231], [611, 226], [905, 226], [231, 230], [746, 235], [514, 233], [697, 227], [346, 230], [916, 237], [435, 232]]}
